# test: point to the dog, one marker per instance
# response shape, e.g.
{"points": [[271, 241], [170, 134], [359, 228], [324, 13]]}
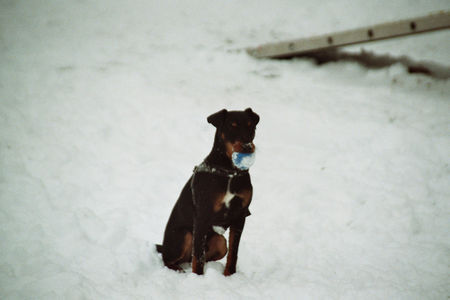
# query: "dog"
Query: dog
{"points": [[216, 197]]}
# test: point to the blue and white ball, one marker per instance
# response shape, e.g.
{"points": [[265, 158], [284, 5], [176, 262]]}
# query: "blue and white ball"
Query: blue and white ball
{"points": [[243, 161]]}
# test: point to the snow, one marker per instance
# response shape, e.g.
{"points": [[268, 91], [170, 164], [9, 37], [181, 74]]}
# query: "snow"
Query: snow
{"points": [[103, 117], [219, 229]]}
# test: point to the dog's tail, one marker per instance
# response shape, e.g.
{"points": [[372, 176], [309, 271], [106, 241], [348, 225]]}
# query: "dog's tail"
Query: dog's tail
{"points": [[159, 248]]}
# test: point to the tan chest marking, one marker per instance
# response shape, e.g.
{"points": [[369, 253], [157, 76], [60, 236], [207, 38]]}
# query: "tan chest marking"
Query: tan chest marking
{"points": [[225, 199]]}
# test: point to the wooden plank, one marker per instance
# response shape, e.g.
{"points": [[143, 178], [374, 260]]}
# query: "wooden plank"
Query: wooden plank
{"points": [[382, 31]]}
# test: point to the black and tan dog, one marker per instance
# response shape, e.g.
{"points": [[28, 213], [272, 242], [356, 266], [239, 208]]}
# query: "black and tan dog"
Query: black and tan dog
{"points": [[215, 198]]}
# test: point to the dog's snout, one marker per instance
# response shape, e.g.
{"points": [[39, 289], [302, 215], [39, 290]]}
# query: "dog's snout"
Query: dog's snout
{"points": [[248, 148]]}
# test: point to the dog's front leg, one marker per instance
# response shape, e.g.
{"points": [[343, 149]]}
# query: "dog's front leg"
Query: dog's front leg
{"points": [[233, 244], [199, 245]]}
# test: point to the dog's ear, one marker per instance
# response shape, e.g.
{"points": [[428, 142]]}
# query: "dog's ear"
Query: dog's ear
{"points": [[253, 116], [218, 118]]}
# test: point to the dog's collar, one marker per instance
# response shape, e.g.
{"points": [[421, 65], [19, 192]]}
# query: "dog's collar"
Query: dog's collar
{"points": [[221, 171]]}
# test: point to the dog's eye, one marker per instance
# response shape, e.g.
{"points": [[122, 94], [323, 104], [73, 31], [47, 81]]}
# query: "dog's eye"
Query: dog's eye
{"points": [[249, 123]]}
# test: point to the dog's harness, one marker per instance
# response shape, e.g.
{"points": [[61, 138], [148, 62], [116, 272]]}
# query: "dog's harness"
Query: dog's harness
{"points": [[205, 167], [217, 170]]}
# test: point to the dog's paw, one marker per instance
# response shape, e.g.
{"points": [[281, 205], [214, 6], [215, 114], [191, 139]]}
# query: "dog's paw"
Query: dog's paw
{"points": [[228, 272]]}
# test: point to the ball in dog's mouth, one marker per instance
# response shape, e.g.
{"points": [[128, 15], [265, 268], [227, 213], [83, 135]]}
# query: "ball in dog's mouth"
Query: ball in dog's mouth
{"points": [[243, 161]]}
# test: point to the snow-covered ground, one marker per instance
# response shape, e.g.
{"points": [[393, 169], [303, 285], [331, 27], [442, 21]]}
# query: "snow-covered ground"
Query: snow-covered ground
{"points": [[103, 108]]}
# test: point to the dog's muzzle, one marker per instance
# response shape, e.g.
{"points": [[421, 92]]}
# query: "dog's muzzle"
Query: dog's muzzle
{"points": [[247, 148]]}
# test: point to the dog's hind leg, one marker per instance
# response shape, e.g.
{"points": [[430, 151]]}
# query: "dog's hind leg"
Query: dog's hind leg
{"points": [[216, 247], [178, 252]]}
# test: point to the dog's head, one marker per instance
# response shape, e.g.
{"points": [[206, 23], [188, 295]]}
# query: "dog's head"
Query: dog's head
{"points": [[236, 129]]}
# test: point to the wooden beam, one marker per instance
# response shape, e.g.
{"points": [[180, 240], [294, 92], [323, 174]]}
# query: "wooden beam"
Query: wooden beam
{"points": [[377, 32]]}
